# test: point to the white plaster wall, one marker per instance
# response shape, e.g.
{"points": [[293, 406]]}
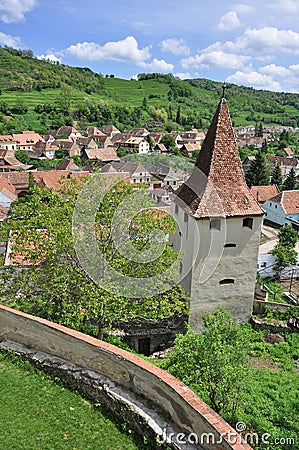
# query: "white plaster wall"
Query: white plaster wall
{"points": [[4, 200], [214, 262]]}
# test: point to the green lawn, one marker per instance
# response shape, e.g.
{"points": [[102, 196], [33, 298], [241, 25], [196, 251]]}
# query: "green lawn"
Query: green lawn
{"points": [[38, 414]]}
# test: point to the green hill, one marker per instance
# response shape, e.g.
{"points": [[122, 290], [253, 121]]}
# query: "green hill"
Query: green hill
{"points": [[39, 95]]}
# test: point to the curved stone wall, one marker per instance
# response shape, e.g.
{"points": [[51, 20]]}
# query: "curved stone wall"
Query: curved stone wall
{"points": [[150, 398]]}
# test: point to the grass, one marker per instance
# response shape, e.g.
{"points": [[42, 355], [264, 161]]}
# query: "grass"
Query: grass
{"points": [[39, 414]]}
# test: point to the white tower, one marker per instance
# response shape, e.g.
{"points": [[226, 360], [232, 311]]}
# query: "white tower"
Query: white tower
{"points": [[219, 226]]}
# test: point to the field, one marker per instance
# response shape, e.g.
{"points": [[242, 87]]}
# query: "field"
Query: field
{"points": [[39, 414]]}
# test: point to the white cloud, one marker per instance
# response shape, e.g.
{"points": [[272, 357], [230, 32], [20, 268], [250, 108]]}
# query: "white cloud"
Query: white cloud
{"points": [[267, 39], [183, 75], [275, 71], [10, 41], [294, 68], [285, 6], [15, 10], [229, 21], [175, 46], [216, 58], [125, 50], [241, 8], [157, 65], [49, 57], [254, 79]]}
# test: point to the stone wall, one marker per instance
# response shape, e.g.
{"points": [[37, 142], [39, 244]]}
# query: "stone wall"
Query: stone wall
{"points": [[153, 401]]}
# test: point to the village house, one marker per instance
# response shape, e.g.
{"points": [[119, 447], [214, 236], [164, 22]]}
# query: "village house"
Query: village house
{"points": [[8, 162], [285, 164], [188, 149], [190, 137], [161, 196], [288, 152], [27, 140], [159, 148], [283, 209], [71, 147], [166, 175], [109, 130], [69, 132], [137, 145], [263, 193], [105, 155], [7, 142], [68, 164], [8, 193], [43, 150], [20, 181]]}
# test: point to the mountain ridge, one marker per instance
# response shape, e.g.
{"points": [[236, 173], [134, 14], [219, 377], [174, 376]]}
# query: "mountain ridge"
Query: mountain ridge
{"points": [[41, 95]]}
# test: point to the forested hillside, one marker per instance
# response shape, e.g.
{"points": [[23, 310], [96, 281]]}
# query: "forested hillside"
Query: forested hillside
{"points": [[39, 95]]}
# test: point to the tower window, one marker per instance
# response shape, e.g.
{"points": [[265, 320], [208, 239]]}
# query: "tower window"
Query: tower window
{"points": [[230, 245], [185, 217], [227, 281], [176, 209], [248, 222], [215, 224]]}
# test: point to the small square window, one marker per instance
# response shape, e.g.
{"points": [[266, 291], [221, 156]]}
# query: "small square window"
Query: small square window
{"points": [[215, 224], [248, 222]]}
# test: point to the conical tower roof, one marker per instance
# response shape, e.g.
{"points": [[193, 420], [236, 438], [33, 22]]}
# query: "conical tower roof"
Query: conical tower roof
{"points": [[217, 186]]}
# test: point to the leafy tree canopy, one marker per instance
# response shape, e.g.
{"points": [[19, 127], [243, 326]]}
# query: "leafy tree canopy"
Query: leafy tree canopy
{"points": [[56, 287], [213, 363]]}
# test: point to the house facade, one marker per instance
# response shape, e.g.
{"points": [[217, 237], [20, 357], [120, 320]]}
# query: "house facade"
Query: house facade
{"points": [[283, 209]]}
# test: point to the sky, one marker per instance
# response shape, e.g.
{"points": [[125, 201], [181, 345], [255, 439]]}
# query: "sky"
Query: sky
{"points": [[252, 43]]}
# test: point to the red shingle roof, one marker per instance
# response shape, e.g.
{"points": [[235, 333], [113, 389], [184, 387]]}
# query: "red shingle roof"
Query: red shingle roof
{"points": [[8, 189], [217, 186], [263, 193]]}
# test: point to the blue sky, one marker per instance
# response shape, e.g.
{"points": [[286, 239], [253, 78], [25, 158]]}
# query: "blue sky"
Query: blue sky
{"points": [[249, 43]]}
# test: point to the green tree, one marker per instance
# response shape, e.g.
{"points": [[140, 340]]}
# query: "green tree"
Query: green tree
{"points": [[57, 287], [284, 252], [276, 176], [290, 182], [287, 236], [213, 363], [64, 99], [22, 156], [151, 142], [258, 174], [169, 141]]}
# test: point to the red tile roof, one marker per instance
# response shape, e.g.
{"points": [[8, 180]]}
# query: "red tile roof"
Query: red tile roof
{"points": [[217, 186], [263, 193], [54, 179], [8, 189]]}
